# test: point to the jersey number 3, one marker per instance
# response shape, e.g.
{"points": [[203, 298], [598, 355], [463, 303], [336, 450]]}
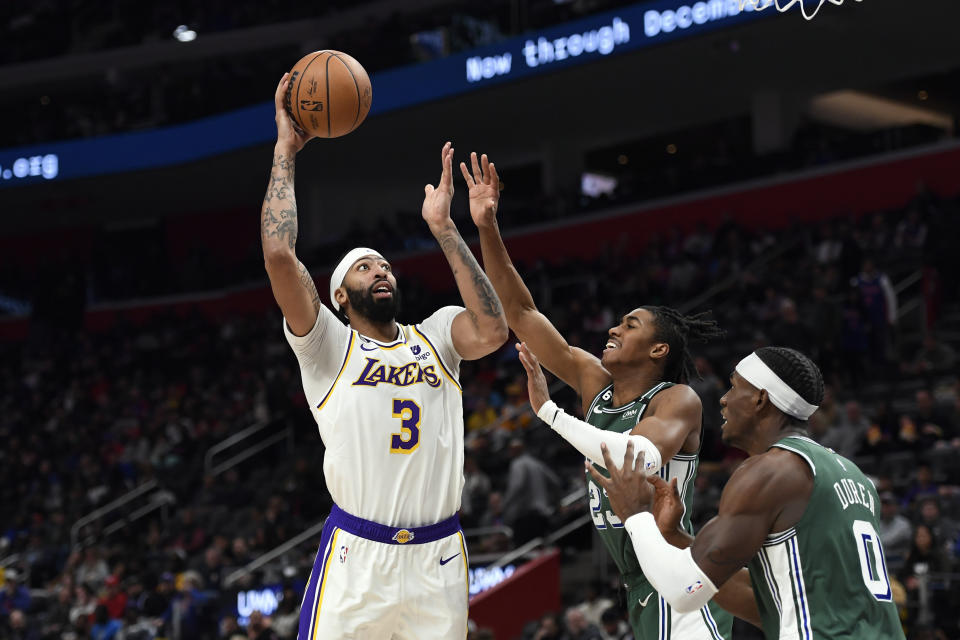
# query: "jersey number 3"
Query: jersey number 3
{"points": [[408, 439]]}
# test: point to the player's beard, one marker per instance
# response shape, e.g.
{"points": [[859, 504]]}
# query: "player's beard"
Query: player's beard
{"points": [[377, 311]]}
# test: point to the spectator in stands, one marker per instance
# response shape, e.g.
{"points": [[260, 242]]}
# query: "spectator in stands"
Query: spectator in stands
{"points": [[113, 598], [104, 628], [847, 432], [259, 628], [823, 316], [879, 302], [789, 331], [231, 630], [854, 338], [20, 628], [880, 435], [186, 613], [56, 619], [84, 604], [14, 595], [922, 575], [528, 500], [578, 628], [211, 567], [896, 533], [515, 414], [594, 603], [549, 628], [921, 486], [93, 571], [927, 422], [493, 517], [136, 627], [613, 626], [156, 596], [240, 554], [476, 489], [287, 617], [827, 251], [943, 528], [911, 232], [482, 415]]}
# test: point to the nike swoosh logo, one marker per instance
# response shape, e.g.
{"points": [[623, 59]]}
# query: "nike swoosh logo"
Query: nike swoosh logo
{"points": [[597, 410], [364, 347], [643, 602], [443, 562]]}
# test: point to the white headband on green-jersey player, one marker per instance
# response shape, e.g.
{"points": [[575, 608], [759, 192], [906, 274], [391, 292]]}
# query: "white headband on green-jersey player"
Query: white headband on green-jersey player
{"points": [[336, 280], [756, 372]]}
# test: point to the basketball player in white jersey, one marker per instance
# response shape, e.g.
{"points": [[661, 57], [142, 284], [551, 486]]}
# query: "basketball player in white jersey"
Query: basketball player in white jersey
{"points": [[392, 563]]}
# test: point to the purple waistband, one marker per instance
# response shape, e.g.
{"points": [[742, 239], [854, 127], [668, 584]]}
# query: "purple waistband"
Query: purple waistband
{"points": [[392, 535]]}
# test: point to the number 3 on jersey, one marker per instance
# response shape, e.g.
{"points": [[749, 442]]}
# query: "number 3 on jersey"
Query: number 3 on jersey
{"points": [[409, 437]]}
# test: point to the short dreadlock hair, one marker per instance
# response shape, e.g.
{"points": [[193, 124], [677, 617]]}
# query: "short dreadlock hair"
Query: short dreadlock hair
{"points": [[678, 331]]}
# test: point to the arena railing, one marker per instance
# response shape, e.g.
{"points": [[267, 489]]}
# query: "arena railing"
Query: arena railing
{"points": [[209, 468], [274, 553], [98, 513]]}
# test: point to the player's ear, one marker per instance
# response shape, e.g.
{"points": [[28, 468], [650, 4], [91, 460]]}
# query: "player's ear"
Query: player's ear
{"points": [[340, 295], [659, 350], [762, 399]]}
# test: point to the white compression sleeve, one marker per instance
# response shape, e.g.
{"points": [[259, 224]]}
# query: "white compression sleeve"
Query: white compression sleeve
{"points": [[671, 571], [587, 439]]}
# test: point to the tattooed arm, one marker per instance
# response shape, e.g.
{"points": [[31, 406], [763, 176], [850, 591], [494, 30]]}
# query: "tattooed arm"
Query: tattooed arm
{"points": [[481, 328], [292, 285], [579, 369]]}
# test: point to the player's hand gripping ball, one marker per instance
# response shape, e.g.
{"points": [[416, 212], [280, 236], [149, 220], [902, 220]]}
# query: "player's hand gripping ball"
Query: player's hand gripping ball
{"points": [[329, 94]]}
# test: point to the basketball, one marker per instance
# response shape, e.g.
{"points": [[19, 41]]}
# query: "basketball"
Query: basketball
{"points": [[329, 94]]}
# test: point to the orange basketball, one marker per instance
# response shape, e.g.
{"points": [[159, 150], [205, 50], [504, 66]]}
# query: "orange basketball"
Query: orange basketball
{"points": [[329, 94]]}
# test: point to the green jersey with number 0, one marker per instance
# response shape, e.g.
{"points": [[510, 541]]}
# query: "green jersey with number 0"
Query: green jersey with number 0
{"points": [[826, 576]]}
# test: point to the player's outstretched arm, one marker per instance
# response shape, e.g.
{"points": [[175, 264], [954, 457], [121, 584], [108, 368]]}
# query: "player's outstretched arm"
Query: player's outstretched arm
{"points": [[292, 285], [579, 369], [482, 327]]}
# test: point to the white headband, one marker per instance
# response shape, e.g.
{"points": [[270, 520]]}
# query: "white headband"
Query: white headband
{"points": [[341, 271], [756, 372]]}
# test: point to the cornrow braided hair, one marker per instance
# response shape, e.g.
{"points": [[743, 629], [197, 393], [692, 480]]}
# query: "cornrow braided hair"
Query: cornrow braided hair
{"points": [[678, 331], [797, 370]]}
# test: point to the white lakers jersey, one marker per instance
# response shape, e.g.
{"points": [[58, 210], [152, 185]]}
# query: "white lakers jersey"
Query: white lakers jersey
{"points": [[390, 416]]}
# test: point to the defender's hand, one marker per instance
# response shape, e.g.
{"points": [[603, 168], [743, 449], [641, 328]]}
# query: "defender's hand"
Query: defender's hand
{"points": [[627, 487], [484, 187], [436, 200], [667, 508], [536, 381], [288, 133]]}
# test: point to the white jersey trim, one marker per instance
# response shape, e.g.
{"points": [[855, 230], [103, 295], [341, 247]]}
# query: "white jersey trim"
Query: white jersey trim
{"points": [[346, 359]]}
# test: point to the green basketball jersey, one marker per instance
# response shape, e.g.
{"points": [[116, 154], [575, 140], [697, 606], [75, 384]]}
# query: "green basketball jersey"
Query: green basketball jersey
{"points": [[826, 576], [603, 415], [651, 617]]}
